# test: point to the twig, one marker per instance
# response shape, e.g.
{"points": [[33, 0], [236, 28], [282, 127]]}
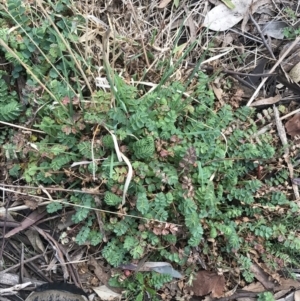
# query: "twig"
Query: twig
{"points": [[8, 224], [268, 126], [283, 138], [244, 82], [18, 264], [4, 230], [21, 272], [63, 201], [142, 40], [262, 36], [56, 247], [14, 289], [245, 35], [50, 188], [216, 57], [21, 127], [242, 294], [231, 72], [273, 69]]}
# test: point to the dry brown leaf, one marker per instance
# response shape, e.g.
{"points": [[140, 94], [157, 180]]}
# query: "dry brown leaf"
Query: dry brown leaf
{"points": [[208, 282], [261, 276], [256, 4], [297, 296], [164, 3], [57, 247], [287, 284], [35, 240], [228, 39], [99, 271], [283, 294], [293, 125], [52, 265], [31, 219], [191, 25], [292, 59], [295, 73], [106, 293], [218, 93], [246, 299], [255, 287], [180, 284], [274, 275], [6, 215], [231, 292], [32, 204], [207, 298], [245, 22], [267, 101]]}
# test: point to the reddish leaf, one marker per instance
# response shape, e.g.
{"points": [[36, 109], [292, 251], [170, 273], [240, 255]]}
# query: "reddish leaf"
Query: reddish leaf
{"points": [[164, 153], [67, 129], [65, 100]]}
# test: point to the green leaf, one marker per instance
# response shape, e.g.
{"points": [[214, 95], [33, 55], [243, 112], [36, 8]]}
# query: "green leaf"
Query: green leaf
{"points": [[192, 220], [113, 253], [83, 235], [140, 296], [83, 212], [144, 148], [130, 242], [137, 252], [158, 280], [95, 237], [228, 3], [54, 207], [121, 228], [142, 203], [112, 199], [140, 278], [266, 296], [10, 111], [160, 200], [15, 170]]}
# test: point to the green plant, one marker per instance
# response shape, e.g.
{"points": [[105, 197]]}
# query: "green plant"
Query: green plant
{"points": [[266, 296], [290, 13], [291, 33], [195, 164], [141, 284]]}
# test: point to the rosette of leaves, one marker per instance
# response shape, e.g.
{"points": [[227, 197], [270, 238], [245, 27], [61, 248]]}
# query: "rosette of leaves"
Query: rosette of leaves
{"points": [[144, 148]]}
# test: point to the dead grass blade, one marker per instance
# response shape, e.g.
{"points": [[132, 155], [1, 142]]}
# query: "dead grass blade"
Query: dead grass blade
{"points": [[287, 158]]}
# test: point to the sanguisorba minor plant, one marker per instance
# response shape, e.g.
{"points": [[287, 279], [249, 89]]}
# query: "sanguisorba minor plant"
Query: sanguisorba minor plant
{"points": [[194, 181]]}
